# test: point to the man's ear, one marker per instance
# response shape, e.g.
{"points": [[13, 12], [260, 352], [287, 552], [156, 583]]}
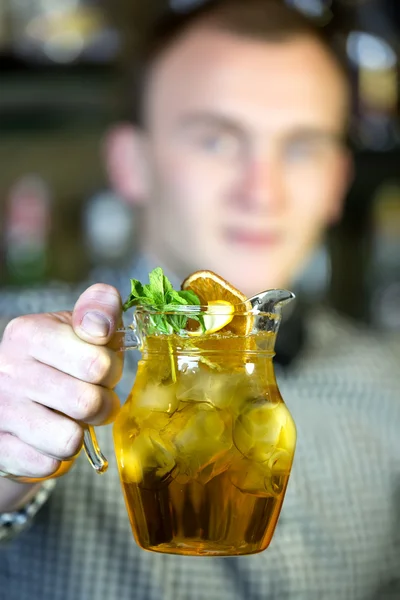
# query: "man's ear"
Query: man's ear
{"points": [[344, 180], [125, 156]]}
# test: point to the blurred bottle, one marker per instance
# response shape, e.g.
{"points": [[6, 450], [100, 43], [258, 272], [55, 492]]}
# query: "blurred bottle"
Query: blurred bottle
{"points": [[4, 28], [375, 66], [62, 31], [109, 226], [3, 269], [385, 264], [27, 225]]}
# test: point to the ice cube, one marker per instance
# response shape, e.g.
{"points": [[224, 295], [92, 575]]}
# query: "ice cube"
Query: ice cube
{"points": [[199, 435], [257, 430], [156, 420], [267, 479], [279, 465], [287, 439], [249, 477], [159, 398], [202, 427], [225, 391], [218, 389], [219, 465], [192, 388], [179, 420], [148, 459]]}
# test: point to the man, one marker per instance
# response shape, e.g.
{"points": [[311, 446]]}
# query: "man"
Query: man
{"points": [[239, 161]]}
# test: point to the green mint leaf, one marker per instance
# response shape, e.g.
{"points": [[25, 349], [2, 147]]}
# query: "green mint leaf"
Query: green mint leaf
{"points": [[137, 301], [171, 307], [174, 298], [156, 279], [189, 297], [167, 285], [148, 292], [202, 323], [137, 295], [159, 283], [136, 289], [134, 301], [159, 324], [160, 295], [183, 298], [177, 322]]}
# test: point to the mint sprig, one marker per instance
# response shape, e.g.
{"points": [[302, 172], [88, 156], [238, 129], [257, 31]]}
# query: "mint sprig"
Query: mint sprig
{"points": [[160, 296]]}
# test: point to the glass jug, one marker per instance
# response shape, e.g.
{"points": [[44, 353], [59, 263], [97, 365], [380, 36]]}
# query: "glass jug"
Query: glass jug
{"points": [[204, 442]]}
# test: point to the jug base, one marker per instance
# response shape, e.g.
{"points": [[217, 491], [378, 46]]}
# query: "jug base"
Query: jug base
{"points": [[197, 547]]}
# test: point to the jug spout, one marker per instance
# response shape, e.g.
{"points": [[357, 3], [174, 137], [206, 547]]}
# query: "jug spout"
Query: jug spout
{"points": [[271, 301]]}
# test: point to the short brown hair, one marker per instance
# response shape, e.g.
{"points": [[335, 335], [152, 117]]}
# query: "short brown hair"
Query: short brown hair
{"points": [[269, 20]]}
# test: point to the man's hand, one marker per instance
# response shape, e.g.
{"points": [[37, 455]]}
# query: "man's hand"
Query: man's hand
{"points": [[57, 372]]}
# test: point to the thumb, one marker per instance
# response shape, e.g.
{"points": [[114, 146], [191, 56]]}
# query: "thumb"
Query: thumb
{"points": [[97, 314]]}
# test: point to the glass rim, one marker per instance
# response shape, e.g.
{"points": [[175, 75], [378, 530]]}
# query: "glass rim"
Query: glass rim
{"points": [[188, 310]]}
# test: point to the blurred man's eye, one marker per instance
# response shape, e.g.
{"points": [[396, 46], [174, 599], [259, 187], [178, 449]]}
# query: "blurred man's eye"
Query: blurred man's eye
{"points": [[219, 143], [308, 150], [302, 151]]}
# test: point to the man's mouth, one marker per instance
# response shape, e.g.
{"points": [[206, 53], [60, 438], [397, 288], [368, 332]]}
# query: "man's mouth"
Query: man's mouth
{"points": [[252, 238]]}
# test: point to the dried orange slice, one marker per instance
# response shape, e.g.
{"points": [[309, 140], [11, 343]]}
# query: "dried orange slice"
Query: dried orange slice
{"points": [[213, 289]]}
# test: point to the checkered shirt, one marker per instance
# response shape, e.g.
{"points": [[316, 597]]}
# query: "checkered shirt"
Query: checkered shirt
{"points": [[338, 537]]}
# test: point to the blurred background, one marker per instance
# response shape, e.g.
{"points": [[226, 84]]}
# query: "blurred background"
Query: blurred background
{"points": [[62, 85]]}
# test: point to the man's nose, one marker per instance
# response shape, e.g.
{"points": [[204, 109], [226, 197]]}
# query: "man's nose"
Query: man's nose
{"points": [[262, 187]]}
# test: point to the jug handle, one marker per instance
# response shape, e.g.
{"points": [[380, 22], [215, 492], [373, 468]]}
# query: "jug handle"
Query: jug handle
{"points": [[94, 455], [128, 340]]}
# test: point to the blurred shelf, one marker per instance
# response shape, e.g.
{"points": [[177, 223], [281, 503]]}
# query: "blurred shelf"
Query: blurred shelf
{"points": [[371, 170], [69, 161], [55, 98]]}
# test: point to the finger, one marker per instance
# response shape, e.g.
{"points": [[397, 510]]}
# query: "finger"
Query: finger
{"points": [[50, 339], [48, 432], [54, 343], [97, 314], [86, 402], [18, 458]]}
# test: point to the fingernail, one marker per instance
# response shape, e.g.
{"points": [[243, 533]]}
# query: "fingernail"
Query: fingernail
{"points": [[96, 324]]}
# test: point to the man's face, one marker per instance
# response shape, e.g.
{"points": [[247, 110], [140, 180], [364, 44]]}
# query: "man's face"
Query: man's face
{"points": [[244, 160]]}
